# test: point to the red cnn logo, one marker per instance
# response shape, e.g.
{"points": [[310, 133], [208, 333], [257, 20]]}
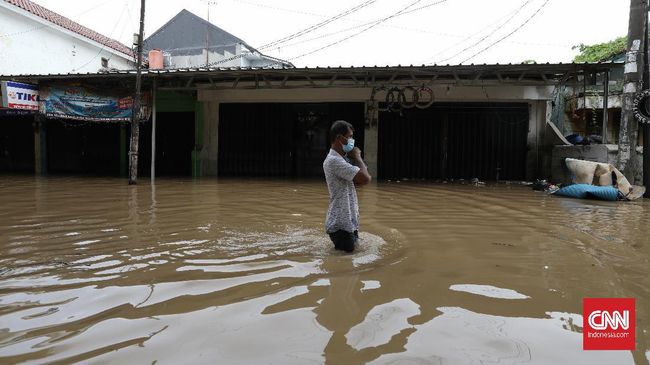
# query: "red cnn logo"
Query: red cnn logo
{"points": [[609, 323]]}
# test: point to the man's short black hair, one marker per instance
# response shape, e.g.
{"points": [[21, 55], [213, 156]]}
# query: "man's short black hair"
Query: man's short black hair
{"points": [[340, 127]]}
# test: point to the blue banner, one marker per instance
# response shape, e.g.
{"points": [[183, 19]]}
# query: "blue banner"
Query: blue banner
{"points": [[75, 102]]}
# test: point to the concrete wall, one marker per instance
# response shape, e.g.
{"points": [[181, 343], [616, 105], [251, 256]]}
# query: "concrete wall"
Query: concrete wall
{"points": [[536, 96], [219, 57], [32, 45], [200, 60], [538, 114], [606, 153]]}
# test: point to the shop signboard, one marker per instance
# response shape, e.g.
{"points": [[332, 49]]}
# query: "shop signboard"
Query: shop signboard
{"points": [[17, 95], [83, 103]]}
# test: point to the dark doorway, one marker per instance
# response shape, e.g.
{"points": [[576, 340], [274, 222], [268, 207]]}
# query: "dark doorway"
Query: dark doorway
{"points": [[280, 139], [17, 144], [77, 147], [174, 144], [459, 140]]}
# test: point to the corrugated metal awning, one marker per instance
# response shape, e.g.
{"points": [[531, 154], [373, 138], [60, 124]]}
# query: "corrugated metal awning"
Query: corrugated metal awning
{"points": [[256, 77]]}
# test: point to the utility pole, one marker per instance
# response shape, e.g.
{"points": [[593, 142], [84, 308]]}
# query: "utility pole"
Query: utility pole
{"points": [[634, 66], [646, 126], [135, 118]]}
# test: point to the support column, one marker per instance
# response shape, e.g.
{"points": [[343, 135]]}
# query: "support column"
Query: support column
{"points": [[153, 132], [445, 146], [371, 140], [603, 131], [531, 141], [40, 145], [537, 117], [199, 117], [123, 163], [209, 151]]}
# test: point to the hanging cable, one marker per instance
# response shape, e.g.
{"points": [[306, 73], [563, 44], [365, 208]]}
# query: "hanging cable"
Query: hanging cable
{"points": [[103, 45], [517, 11], [318, 25], [403, 10], [509, 34]]}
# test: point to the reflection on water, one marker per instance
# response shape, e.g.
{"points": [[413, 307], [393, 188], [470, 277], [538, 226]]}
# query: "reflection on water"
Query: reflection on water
{"points": [[241, 272], [488, 291], [460, 336]]}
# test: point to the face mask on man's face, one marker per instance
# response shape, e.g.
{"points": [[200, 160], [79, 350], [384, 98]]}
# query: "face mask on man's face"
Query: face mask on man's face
{"points": [[349, 146]]}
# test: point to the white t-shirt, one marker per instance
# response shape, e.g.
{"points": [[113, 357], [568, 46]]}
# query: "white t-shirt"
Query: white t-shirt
{"points": [[343, 212]]}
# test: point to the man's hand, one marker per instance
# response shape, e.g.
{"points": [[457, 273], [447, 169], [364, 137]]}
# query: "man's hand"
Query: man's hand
{"points": [[362, 177], [355, 154]]}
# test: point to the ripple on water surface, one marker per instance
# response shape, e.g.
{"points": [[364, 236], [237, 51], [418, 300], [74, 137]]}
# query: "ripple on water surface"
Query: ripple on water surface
{"points": [[242, 272]]}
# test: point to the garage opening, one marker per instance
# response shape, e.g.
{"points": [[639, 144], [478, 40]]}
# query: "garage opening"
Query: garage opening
{"points": [[174, 144], [454, 141], [281, 139], [17, 144], [77, 147]]}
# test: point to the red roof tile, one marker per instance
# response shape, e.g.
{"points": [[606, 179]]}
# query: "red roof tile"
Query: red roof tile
{"points": [[68, 24]]}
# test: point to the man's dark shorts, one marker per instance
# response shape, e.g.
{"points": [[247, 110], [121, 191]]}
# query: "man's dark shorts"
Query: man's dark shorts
{"points": [[344, 240]]}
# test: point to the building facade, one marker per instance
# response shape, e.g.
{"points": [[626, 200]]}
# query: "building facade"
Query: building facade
{"points": [[489, 122], [187, 40], [35, 40]]}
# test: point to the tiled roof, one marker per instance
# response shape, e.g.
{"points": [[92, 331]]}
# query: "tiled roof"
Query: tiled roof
{"points": [[68, 24]]}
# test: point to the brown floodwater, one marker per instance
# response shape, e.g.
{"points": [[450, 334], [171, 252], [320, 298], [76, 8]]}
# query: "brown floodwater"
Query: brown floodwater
{"points": [[240, 272]]}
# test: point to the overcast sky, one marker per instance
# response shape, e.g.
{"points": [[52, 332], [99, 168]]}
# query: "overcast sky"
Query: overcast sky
{"points": [[380, 32]]}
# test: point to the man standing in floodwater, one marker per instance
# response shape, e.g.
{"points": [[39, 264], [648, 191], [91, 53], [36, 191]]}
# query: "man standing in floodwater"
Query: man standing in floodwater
{"points": [[343, 168]]}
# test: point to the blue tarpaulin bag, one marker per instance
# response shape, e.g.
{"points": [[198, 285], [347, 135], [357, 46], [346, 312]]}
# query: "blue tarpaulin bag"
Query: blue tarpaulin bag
{"points": [[588, 191]]}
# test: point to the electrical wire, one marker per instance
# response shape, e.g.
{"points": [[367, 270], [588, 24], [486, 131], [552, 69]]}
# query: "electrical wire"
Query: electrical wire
{"points": [[372, 24], [510, 16], [318, 25], [278, 8], [465, 38], [368, 23], [509, 34], [300, 33], [126, 7], [363, 22], [103, 45], [403, 10]]}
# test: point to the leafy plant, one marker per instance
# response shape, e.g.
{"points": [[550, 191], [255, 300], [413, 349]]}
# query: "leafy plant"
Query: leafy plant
{"points": [[600, 52]]}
